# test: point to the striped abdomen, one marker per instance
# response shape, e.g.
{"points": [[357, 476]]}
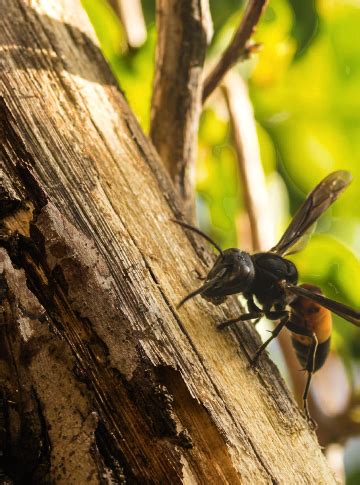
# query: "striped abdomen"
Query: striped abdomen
{"points": [[308, 318]]}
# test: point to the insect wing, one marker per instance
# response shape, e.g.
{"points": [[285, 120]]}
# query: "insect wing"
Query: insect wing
{"points": [[336, 307], [323, 195], [301, 243]]}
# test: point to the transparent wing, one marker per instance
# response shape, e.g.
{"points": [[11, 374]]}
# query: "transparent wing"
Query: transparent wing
{"points": [[323, 195], [301, 243], [340, 309]]}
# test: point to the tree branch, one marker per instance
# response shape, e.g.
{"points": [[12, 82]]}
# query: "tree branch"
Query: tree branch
{"points": [[250, 166], [183, 30], [132, 18], [238, 48]]}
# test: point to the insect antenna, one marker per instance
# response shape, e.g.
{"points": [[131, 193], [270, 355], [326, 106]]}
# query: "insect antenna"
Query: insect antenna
{"points": [[198, 231], [208, 284], [190, 295]]}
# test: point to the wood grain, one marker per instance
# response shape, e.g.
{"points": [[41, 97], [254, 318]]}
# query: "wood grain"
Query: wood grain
{"points": [[148, 394]]}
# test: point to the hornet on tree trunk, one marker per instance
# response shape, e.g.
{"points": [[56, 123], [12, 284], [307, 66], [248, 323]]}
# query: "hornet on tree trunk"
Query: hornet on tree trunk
{"points": [[272, 280]]}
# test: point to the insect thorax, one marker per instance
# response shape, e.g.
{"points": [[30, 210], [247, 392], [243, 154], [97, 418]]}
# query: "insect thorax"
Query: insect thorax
{"points": [[270, 270]]}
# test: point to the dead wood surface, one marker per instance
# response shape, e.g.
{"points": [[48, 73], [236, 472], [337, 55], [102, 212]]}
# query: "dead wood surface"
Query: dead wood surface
{"points": [[101, 379]]}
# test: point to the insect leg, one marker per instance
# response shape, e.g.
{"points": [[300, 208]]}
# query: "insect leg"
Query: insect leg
{"points": [[254, 313], [245, 316], [310, 367], [276, 315], [253, 308], [274, 334], [251, 305]]}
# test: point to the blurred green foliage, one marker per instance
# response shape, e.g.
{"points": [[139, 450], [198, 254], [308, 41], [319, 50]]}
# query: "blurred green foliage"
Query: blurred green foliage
{"points": [[304, 84]]}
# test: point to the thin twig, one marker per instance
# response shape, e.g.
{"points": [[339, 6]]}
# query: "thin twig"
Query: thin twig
{"points": [[132, 18], [239, 47], [248, 156]]}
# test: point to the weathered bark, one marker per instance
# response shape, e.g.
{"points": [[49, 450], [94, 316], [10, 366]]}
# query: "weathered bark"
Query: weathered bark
{"points": [[101, 379], [182, 28]]}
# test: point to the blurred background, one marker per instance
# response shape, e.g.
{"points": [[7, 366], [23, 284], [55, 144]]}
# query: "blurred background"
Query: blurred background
{"points": [[303, 84]]}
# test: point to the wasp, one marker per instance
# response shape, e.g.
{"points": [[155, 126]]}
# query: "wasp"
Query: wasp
{"points": [[271, 280]]}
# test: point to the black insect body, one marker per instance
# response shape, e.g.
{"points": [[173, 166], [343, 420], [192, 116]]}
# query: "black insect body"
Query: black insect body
{"points": [[233, 272], [236, 271], [272, 280], [269, 270]]}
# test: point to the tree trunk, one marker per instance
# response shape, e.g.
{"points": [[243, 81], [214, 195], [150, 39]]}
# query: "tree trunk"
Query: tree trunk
{"points": [[102, 380]]}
